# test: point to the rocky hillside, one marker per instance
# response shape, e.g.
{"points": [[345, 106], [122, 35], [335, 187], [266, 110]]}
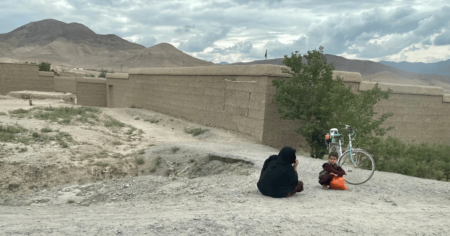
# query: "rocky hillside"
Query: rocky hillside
{"points": [[75, 45]]}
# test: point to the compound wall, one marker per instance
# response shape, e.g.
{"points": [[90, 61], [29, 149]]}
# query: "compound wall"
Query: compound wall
{"points": [[421, 113], [66, 84], [91, 92], [18, 77], [239, 98], [227, 97]]}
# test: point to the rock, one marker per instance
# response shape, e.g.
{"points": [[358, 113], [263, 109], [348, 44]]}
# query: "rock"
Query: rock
{"points": [[137, 118]]}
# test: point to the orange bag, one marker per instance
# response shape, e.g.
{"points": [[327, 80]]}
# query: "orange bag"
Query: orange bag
{"points": [[338, 183]]}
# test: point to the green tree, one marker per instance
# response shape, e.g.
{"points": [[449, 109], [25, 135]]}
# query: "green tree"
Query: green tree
{"points": [[311, 95], [44, 66], [103, 73]]}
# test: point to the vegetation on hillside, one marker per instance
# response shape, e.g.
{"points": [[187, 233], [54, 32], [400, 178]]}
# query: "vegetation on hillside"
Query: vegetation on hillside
{"points": [[431, 161]]}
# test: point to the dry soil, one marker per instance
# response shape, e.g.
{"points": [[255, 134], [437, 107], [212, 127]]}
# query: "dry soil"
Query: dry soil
{"points": [[189, 185]]}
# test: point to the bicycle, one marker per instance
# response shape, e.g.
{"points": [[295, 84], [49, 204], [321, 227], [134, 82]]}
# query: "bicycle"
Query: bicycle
{"points": [[357, 163]]}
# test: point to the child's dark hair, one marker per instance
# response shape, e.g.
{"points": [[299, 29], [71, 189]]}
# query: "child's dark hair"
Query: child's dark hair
{"points": [[334, 154]]}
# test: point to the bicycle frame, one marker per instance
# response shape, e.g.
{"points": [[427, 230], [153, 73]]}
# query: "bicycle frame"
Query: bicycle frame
{"points": [[339, 136]]}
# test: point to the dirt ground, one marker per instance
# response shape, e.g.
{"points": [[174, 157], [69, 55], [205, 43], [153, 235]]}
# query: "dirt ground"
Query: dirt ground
{"points": [[150, 177]]}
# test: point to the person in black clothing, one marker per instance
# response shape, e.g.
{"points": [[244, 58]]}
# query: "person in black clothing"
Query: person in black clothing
{"points": [[279, 177], [330, 169]]}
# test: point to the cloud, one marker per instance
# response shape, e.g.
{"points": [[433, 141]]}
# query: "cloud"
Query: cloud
{"points": [[201, 41], [239, 47], [185, 29], [243, 29]]}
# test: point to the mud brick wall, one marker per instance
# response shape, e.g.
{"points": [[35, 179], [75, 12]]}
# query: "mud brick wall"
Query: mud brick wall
{"points": [[239, 98], [91, 92], [232, 98], [66, 84], [421, 113], [18, 77]]}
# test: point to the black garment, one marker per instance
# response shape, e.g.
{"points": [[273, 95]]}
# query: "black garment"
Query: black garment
{"points": [[278, 177]]}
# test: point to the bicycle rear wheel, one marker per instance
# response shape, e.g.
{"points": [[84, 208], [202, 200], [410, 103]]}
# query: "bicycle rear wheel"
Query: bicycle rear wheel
{"points": [[360, 169]]}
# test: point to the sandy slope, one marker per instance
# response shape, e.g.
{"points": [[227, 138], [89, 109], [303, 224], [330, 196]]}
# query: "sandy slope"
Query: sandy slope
{"points": [[189, 194]]}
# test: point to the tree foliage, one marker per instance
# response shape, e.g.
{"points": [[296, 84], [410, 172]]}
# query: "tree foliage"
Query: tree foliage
{"points": [[311, 95], [103, 73], [44, 66]]}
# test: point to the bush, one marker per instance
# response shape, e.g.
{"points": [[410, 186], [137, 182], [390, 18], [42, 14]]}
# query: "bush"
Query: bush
{"points": [[431, 161], [63, 115], [44, 66], [46, 130], [139, 160], [195, 131], [8, 133], [103, 73], [19, 111], [114, 123]]}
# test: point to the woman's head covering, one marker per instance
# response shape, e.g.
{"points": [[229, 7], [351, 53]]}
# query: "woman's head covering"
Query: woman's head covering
{"points": [[287, 154]]}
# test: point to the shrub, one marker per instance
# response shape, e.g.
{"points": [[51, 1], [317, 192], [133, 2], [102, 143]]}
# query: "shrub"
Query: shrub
{"points": [[175, 149], [12, 187], [114, 123], [195, 131], [101, 164], [103, 73], [8, 133], [139, 160], [44, 66], [19, 111], [431, 161], [46, 130]]}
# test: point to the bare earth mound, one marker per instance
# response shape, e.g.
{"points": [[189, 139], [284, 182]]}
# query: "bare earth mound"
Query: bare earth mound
{"points": [[166, 181]]}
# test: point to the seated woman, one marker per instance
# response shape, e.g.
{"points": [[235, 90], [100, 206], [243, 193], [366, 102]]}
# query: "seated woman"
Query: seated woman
{"points": [[278, 177]]}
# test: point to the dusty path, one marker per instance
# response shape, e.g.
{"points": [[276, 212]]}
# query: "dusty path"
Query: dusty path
{"points": [[189, 194]]}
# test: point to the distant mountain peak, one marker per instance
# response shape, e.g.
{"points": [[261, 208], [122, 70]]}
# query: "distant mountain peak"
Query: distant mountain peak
{"points": [[46, 31]]}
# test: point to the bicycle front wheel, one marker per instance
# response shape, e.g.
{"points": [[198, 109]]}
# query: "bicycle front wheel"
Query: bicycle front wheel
{"points": [[359, 167]]}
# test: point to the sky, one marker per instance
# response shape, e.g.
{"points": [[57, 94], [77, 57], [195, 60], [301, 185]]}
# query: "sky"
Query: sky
{"points": [[242, 30]]}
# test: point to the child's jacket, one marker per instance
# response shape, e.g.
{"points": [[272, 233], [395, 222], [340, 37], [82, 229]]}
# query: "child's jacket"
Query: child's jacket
{"points": [[329, 168]]}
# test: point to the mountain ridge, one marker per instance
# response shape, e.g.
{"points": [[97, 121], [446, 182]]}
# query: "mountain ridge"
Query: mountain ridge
{"points": [[75, 45]]}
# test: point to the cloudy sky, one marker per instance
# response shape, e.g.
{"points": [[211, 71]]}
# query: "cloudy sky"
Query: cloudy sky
{"points": [[241, 30]]}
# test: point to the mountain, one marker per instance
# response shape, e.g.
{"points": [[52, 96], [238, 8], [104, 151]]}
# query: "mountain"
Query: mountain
{"points": [[75, 45], [44, 32], [163, 55], [373, 71], [438, 68]]}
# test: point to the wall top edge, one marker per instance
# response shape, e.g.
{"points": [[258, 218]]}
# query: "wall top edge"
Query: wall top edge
{"points": [[446, 98], [66, 78], [403, 88], [18, 64], [92, 81], [117, 75], [251, 70], [348, 76], [46, 73]]}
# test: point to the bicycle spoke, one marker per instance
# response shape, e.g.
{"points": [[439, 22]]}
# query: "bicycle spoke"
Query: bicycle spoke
{"points": [[359, 167]]}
